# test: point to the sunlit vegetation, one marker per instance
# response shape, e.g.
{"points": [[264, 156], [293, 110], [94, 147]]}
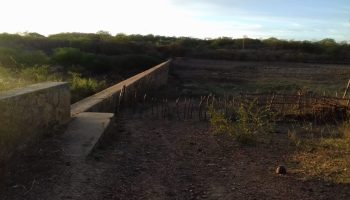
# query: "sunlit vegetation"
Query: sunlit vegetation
{"points": [[319, 151], [323, 152], [83, 87], [80, 86], [249, 124]]}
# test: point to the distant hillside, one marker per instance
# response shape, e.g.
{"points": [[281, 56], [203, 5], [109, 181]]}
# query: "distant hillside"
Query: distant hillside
{"points": [[102, 53]]}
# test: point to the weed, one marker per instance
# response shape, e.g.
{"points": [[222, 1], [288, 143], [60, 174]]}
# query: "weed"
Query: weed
{"points": [[326, 157], [253, 123], [294, 138], [219, 123], [82, 87], [345, 131]]}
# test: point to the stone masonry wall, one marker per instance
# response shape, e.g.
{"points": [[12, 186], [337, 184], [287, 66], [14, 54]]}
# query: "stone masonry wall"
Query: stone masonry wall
{"points": [[29, 112]]}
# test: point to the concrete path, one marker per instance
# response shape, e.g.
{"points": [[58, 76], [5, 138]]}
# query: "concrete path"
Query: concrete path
{"points": [[84, 132]]}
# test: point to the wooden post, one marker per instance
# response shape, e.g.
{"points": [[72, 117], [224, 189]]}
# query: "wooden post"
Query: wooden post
{"points": [[185, 106], [206, 108], [213, 101], [226, 109], [157, 107], [134, 102], [143, 109], [200, 108], [177, 108], [272, 100], [191, 108], [121, 99], [166, 108], [152, 105], [346, 90], [116, 109], [283, 103], [163, 108], [299, 101]]}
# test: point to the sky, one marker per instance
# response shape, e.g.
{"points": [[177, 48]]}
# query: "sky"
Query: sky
{"points": [[284, 19]]}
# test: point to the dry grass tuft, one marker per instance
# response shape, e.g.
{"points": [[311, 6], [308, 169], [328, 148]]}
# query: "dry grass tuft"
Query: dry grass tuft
{"points": [[326, 158]]}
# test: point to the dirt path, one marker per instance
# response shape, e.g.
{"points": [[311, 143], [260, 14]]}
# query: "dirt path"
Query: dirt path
{"points": [[157, 159]]}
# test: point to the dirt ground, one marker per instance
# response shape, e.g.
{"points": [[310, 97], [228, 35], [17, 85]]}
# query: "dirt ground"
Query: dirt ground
{"points": [[161, 159], [224, 77], [146, 158]]}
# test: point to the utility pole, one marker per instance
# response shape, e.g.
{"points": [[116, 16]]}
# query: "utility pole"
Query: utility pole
{"points": [[244, 37]]}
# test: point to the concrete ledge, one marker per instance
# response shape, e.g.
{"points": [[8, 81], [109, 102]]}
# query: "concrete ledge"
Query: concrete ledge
{"points": [[84, 132], [30, 89], [105, 101]]}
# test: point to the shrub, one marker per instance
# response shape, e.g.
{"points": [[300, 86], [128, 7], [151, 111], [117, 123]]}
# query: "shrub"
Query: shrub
{"points": [[15, 58], [82, 87], [293, 137], [6, 80], [253, 123], [38, 74], [219, 123], [67, 56], [345, 130], [10, 79]]}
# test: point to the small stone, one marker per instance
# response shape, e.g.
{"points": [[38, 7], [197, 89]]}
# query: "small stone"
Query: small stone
{"points": [[281, 170]]}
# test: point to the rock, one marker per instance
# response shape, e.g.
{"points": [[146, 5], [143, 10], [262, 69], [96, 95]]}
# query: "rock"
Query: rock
{"points": [[281, 170]]}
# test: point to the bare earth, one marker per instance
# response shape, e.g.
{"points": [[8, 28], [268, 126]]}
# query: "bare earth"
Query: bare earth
{"points": [[160, 159]]}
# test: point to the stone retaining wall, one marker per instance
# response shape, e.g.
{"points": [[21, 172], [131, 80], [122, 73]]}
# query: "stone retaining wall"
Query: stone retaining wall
{"points": [[28, 112], [106, 100]]}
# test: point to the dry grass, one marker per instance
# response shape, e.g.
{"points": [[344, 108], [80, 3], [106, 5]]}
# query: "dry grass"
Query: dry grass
{"points": [[321, 151], [220, 77], [326, 157]]}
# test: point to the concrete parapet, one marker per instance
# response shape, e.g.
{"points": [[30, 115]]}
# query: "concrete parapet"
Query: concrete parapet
{"points": [[106, 100], [28, 112]]}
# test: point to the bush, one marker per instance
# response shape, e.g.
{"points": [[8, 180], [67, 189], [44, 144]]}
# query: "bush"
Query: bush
{"points": [[219, 123], [82, 87], [10, 79], [18, 58], [253, 123], [67, 56], [38, 74], [6, 80]]}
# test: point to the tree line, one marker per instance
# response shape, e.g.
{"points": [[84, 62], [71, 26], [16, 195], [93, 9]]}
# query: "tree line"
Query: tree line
{"points": [[102, 52]]}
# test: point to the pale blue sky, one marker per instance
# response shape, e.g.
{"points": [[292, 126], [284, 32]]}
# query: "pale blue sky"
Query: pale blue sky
{"points": [[285, 19]]}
